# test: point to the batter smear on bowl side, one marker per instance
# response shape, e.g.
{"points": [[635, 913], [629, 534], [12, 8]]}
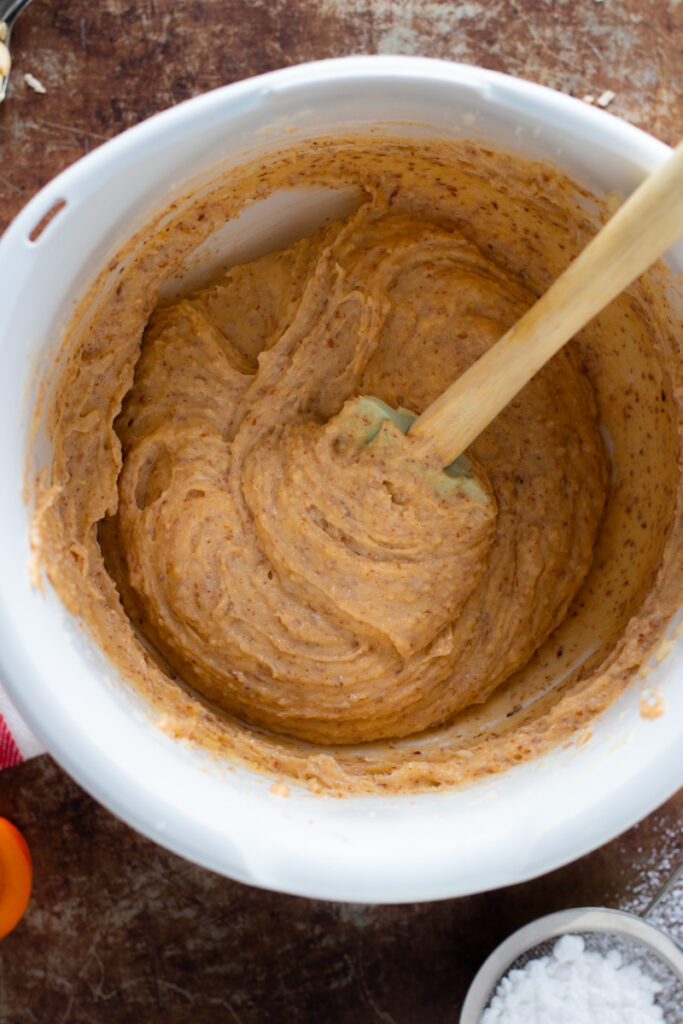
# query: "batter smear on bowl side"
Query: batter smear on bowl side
{"points": [[302, 602]]}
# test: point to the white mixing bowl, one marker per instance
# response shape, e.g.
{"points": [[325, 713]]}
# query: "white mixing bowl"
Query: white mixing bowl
{"points": [[522, 823]]}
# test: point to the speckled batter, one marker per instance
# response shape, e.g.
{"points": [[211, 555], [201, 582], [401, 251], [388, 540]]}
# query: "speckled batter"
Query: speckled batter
{"points": [[213, 522]]}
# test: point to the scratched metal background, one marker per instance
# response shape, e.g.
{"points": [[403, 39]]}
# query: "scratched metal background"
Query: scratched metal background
{"points": [[119, 931]]}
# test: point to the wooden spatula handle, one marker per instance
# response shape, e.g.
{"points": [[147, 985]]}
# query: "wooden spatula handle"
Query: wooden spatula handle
{"points": [[642, 229]]}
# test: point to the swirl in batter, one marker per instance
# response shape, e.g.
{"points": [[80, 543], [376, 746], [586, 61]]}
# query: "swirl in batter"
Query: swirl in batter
{"points": [[323, 589]]}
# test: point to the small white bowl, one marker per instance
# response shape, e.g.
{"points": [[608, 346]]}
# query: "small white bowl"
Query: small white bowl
{"points": [[520, 824]]}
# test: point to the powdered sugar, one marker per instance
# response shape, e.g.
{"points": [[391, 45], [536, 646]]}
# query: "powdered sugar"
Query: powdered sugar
{"points": [[575, 986]]}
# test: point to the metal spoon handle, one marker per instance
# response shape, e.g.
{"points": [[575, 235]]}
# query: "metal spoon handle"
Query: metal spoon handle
{"points": [[11, 9], [9, 12]]}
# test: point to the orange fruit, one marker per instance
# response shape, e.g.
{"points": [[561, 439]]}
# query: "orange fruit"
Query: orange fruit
{"points": [[16, 876]]}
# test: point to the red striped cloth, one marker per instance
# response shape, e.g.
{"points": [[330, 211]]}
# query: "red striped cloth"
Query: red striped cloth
{"points": [[17, 742], [9, 751]]}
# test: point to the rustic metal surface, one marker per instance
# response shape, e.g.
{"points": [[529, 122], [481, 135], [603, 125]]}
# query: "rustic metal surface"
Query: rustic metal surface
{"points": [[119, 931], [109, 64]]}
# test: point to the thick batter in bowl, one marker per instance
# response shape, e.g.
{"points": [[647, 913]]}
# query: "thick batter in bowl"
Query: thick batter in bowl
{"points": [[203, 505]]}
